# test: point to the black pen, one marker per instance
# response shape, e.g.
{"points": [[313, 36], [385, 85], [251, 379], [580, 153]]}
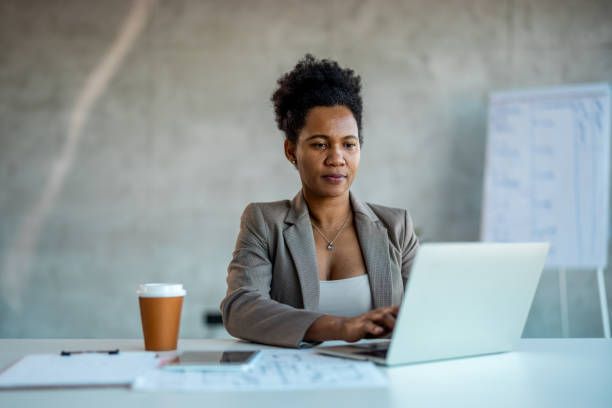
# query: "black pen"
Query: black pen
{"points": [[69, 353]]}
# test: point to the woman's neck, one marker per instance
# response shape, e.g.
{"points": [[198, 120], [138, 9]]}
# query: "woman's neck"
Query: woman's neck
{"points": [[328, 211]]}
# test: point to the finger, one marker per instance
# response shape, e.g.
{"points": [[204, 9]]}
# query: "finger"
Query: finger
{"points": [[374, 329], [389, 321], [394, 310], [379, 315]]}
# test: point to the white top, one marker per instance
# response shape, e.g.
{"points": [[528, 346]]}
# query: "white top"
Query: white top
{"points": [[345, 297]]}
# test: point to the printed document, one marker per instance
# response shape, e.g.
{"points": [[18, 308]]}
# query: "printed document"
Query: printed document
{"points": [[273, 370]]}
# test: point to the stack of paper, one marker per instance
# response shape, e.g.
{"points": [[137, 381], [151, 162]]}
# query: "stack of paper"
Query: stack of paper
{"points": [[274, 370], [79, 370]]}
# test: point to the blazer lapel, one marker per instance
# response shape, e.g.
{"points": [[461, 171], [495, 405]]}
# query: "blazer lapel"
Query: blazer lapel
{"points": [[300, 241], [373, 240], [374, 243]]}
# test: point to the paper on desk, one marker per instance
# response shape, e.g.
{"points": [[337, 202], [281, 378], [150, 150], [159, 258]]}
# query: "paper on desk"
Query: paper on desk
{"points": [[90, 369], [273, 370]]}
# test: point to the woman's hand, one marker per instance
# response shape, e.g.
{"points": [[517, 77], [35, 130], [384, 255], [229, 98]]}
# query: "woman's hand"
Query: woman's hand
{"points": [[375, 323]]}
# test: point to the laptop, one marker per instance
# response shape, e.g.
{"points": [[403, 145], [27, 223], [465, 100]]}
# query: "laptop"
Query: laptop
{"points": [[461, 299]]}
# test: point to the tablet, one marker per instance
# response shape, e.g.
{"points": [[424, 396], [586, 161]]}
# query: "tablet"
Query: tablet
{"points": [[212, 361]]}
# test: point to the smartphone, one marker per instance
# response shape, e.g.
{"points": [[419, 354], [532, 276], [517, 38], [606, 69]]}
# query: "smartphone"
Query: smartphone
{"points": [[212, 361]]}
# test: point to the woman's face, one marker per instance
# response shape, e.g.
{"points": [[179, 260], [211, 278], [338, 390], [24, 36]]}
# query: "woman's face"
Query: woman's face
{"points": [[327, 151]]}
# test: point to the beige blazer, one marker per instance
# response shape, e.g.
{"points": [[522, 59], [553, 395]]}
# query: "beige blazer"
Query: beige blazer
{"points": [[273, 280]]}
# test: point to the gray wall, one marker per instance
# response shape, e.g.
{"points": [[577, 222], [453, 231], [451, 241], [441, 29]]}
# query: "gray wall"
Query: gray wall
{"points": [[182, 138]]}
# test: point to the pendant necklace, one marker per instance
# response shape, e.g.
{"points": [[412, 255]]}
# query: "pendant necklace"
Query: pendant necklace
{"points": [[330, 244]]}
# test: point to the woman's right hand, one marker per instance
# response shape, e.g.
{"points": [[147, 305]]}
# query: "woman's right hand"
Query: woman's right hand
{"points": [[375, 323]]}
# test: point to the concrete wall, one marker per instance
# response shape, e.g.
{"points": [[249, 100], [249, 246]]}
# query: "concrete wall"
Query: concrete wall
{"points": [[149, 186]]}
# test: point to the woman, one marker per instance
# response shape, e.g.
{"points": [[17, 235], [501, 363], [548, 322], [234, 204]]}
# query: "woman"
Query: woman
{"points": [[323, 266]]}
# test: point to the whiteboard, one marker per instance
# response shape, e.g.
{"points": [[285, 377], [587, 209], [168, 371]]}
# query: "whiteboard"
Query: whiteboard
{"points": [[547, 172]]}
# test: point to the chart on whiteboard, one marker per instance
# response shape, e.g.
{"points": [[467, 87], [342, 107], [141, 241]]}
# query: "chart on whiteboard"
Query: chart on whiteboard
{"points": [[547, 172]]}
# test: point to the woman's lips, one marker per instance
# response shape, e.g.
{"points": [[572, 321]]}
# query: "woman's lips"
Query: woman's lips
{"points": [[334, 178]]}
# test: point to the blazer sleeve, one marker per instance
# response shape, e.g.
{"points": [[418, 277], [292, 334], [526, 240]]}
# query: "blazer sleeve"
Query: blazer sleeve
{"points": [[409, 247], [248, 311]]}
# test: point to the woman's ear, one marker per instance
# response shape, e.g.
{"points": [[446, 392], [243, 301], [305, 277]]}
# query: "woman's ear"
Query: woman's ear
{"points": [[290, 151]]}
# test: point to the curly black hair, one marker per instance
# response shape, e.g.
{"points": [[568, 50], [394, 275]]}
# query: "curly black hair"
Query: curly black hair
{"points": [[313, 83]]}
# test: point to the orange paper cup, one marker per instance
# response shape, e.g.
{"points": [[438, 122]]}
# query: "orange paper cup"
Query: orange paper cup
{"points": [[160, 312]]}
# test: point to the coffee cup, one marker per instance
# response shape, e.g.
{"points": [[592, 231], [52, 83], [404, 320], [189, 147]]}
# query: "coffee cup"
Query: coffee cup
{"points": [[160, 312]]}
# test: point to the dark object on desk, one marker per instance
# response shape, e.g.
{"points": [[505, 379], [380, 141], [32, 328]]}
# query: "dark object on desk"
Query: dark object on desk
{"points": [[212, 319], [232, 360], [69, 353]]}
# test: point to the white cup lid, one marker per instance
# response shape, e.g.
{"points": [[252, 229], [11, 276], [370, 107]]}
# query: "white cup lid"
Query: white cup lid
{"points": [[161, 290]]}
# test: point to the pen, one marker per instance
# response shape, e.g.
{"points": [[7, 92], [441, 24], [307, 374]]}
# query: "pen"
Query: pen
{"points": [[69, 353]]}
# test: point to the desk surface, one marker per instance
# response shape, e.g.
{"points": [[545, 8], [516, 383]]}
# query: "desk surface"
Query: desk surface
{"points": [[540, 373]]}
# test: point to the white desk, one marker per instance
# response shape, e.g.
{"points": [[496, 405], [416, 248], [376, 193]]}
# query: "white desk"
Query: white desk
{"points": [[541, 373]]}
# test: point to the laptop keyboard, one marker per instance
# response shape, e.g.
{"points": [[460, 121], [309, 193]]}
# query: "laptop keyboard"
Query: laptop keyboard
{"points": [[375, 353]]}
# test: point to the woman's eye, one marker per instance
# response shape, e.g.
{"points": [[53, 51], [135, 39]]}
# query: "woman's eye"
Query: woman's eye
{"points": [[319, 145], [351, 145]]}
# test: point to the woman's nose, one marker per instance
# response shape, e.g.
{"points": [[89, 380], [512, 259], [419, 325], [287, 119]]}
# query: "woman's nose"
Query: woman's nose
{"points": [[335, 157]]}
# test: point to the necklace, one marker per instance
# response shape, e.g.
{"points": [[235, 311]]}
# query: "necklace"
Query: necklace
{"points": [[330, 244]]}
